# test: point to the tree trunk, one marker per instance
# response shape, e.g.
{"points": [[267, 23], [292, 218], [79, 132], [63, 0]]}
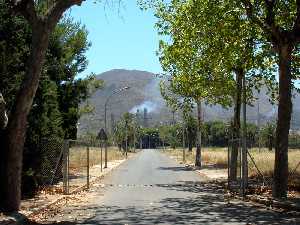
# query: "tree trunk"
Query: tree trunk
{"points": [[283, 123], [190, 139], [236, 126], [3, 115], [199, 127], [183, 144], [190, 147], [16, 129]]}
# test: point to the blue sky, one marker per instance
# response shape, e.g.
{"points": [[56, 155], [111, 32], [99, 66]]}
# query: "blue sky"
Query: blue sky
{"points": [[122, 37]]}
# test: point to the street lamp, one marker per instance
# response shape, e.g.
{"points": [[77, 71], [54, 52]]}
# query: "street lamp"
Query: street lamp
{"points": [[105, 112]]}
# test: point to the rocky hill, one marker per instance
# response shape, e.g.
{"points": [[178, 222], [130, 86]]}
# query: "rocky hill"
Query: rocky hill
{"points": [[144, 93]]}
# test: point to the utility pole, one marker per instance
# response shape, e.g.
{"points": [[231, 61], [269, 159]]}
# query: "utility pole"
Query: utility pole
{"points": [[112, 123]]}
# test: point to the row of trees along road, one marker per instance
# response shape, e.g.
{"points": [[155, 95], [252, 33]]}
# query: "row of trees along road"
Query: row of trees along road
{"points": [[214, 133], [40, 58], [211, 46]]}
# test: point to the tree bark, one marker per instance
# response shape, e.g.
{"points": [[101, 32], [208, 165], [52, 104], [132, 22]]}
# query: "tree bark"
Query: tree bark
{"points": [[190, 139], [3, 115], [183, 143], [16, 129], [283, 123], [199, 127], [236, 126]]}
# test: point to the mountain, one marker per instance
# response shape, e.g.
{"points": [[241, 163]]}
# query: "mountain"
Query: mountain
{"points": [[144, 93]]}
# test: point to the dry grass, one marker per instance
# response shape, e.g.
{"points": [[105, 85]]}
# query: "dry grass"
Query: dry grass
{"points": [[215, 156], [264, 160], [78, 156]]}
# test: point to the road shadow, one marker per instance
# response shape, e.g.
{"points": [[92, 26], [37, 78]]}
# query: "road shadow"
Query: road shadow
{"points": [[52, 223], [200, 204], [177, 168], [213, 166]]}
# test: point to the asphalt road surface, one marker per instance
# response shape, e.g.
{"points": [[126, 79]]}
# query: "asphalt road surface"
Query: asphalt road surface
{"points": [[151, 188]]}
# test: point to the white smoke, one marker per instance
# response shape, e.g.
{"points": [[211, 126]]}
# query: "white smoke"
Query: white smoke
{"points": [[149, 105], [153, 100]]}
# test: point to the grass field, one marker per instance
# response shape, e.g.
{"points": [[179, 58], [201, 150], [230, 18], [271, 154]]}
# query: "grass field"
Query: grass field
{"points": [[264, 159], [78, 156]]}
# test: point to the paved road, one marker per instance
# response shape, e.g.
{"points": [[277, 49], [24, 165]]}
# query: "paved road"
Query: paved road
{"points": [[150, 188]]}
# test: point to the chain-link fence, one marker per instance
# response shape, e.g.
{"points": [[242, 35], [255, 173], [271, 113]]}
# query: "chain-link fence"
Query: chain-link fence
{"points": [[51, 164], [67, 165], [86, 162]]}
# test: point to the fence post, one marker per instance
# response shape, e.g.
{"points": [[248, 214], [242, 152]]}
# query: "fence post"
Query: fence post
{"points": [[101, 148], [88, 167], [66, 167], [105, 154]]}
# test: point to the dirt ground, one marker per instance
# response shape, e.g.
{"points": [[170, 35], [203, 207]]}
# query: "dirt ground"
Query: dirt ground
{"points": [[53, 194]]}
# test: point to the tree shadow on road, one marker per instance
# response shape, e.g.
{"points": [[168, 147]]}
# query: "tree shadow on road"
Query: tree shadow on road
{"points": [[177, 168], [52, 223], [203, 204]]}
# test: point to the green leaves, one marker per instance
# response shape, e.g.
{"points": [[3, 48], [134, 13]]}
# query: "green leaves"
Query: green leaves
{"points": [[204, 42], [187, 57]]}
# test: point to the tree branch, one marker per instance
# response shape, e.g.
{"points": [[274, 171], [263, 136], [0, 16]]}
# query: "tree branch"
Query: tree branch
{"points": [[268, 25], [270, 17], [249, 12], [296, 28], [54, 14], [25, 8]]}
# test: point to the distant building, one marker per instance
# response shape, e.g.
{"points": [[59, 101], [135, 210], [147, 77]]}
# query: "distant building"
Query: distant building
{"points": [[145, 123]]}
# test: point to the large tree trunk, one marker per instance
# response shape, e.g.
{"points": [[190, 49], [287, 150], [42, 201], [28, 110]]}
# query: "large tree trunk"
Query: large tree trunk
{"points": [[16, 129], [236, 126], [3, 115], [199, 127], [183, 143], [283, 123]]}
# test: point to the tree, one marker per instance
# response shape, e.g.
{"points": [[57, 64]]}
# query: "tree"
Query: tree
{"points": [[169, 135], [42, 19], [191, 127], [217, 133], [279, 26], [268, 135], [54, 104], [3, 115], [126, 131], [163, 134], [44, 126], [224, 40], [186, 58]]}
